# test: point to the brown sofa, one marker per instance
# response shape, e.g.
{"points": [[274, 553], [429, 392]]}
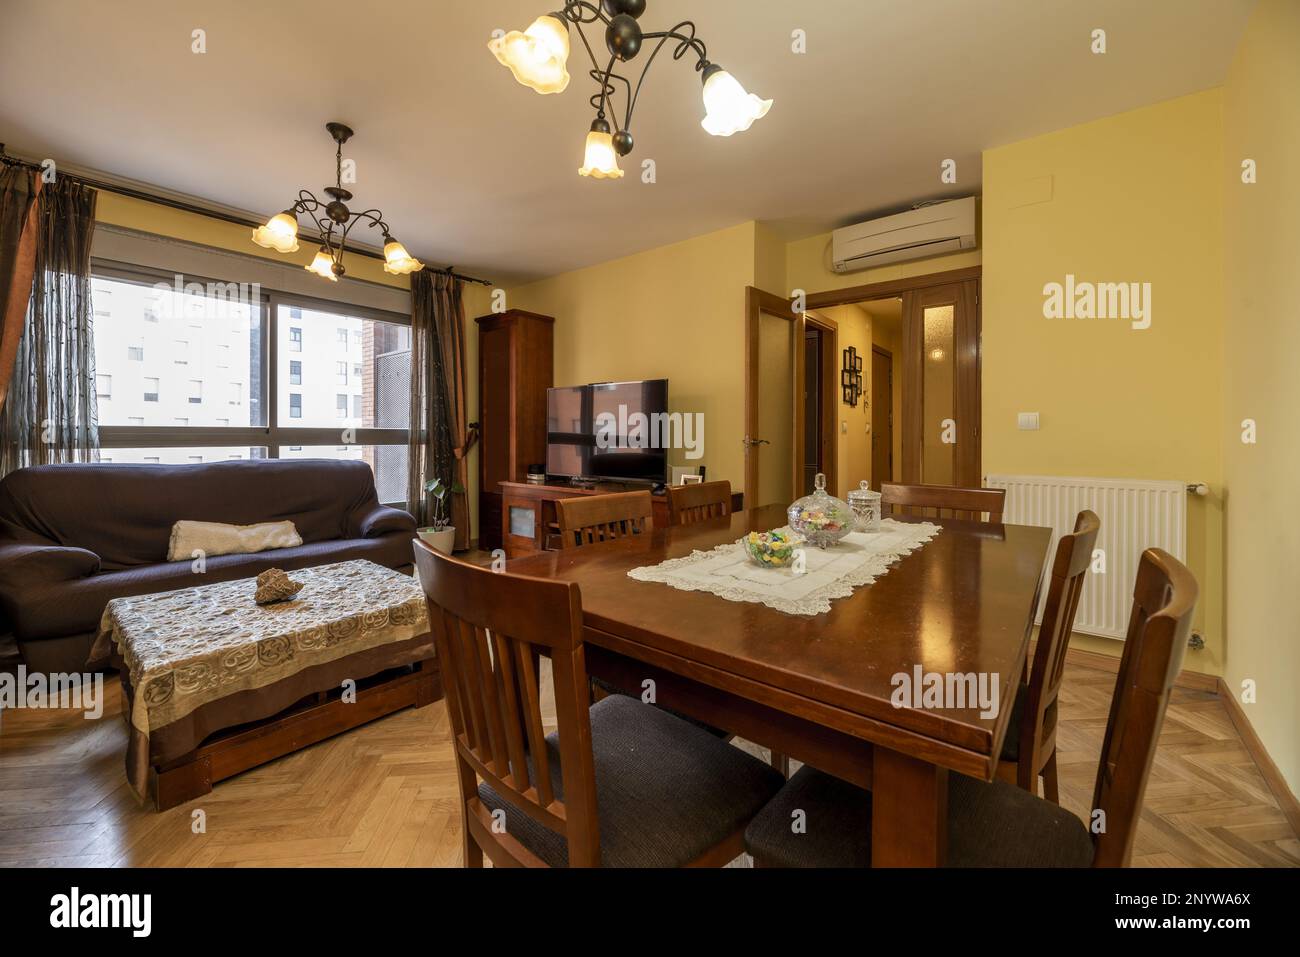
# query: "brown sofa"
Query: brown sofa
{"points": [[74, 536]]}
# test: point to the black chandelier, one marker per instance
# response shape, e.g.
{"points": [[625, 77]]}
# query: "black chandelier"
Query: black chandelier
{"points": [[335, 222], [538, 58]]}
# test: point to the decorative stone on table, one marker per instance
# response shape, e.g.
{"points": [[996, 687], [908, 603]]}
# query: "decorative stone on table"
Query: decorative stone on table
{"points": [[275, 585]]}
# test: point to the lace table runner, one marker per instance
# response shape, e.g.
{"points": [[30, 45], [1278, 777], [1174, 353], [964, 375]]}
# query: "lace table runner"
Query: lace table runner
{"points": [[857, 559]]}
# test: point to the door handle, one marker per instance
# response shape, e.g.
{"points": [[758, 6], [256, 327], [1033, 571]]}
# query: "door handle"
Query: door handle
{"points": [[750, 443]]}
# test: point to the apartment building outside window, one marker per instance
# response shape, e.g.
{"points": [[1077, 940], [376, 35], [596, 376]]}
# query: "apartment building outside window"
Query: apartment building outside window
{"points": [[196, 378]]}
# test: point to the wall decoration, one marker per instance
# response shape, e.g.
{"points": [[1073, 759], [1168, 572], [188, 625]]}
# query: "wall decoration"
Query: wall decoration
{"points": [[851, 376]]}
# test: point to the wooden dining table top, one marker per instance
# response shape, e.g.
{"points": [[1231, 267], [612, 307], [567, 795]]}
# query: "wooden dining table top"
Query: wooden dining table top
{"points": [[964, 602]]}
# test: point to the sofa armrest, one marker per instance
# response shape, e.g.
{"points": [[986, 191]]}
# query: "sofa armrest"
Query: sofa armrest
{"points": [[381, 520], [24, 563]]}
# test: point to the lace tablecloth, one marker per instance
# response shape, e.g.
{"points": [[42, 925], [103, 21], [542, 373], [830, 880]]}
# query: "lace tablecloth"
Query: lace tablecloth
{"points": [[188, 647], [857, 559]]}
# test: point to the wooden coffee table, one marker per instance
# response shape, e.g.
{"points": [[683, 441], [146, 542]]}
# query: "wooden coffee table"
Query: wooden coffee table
{"points": [[216, 685]]}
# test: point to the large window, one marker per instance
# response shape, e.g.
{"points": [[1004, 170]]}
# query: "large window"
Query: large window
{"points": [[213, 373]]}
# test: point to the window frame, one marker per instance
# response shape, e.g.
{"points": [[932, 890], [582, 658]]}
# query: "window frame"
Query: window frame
{"points": [[274, 434]]}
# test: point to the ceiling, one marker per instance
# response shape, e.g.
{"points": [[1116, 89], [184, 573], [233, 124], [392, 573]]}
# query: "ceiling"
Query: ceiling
{"points": [[474, 170]]}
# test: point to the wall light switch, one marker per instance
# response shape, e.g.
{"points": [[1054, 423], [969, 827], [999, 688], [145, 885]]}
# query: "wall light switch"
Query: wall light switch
{"points": [[844, 427], [1027, 421]]}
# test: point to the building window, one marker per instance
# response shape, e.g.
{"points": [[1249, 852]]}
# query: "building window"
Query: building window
{"points": [[318, 390]]}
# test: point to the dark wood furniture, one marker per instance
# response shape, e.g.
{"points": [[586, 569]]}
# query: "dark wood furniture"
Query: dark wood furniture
{"points": [[997, 824], [603, 518], [530, 516], [490, 630], [943, 501], [698, 503], [819, 688], [1030, 747], [311, 720], [515, 356]]}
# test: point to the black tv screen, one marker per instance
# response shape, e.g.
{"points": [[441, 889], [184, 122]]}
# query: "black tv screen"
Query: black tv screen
{"points": [[610, 430]]}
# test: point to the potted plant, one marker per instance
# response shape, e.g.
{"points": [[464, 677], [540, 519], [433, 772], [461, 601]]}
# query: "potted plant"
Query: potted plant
{"points": [[441, 535]]}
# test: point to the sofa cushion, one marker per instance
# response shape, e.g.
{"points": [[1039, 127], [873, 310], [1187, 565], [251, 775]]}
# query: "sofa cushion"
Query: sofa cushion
{"points": [[60, 607], [125, 513]]}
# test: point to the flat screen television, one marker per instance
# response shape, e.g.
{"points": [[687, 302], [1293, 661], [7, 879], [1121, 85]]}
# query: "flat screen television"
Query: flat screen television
{"points": [[588, 426]]}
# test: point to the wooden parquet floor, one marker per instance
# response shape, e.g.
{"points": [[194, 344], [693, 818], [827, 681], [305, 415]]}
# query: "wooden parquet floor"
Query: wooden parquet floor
{"points": [[384, 794]]}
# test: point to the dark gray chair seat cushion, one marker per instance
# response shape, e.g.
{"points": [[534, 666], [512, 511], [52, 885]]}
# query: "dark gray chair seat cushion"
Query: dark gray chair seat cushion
{"points": [[1011, 743], [989, 825], [609, 689], [666, 791]]}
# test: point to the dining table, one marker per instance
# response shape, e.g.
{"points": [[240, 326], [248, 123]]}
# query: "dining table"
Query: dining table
{"points": [[821, 689]]}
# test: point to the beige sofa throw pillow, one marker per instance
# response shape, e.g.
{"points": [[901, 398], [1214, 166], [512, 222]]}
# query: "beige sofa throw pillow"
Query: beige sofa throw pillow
{"points": [[213, 538]]}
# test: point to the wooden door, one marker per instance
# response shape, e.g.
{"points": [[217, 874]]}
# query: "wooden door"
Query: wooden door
{"points": [[941, 385], [882, 416]]}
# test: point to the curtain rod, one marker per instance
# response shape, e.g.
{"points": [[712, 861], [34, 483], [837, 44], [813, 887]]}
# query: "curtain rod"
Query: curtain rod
{"points": [[188, 207]]}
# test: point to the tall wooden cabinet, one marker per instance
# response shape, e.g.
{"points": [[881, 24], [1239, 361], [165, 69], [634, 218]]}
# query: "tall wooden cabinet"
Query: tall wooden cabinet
{"points": [[516, 367]]}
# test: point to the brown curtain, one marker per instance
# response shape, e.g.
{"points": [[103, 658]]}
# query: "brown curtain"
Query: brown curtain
{"points": [[440, 435], [49, 412], [18, 190]]}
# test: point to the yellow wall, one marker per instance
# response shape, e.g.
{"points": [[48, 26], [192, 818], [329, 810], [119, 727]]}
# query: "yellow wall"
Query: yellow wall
{"points": [[1260, 345], [854, 442], [675, 312], [1131, 198]]}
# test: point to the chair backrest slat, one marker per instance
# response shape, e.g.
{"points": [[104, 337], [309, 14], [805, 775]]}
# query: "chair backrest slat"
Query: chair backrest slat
{"points": [[1164, 598], [698, 503], [587, 519], [943, 501], [490, 628], [1069, 569]]}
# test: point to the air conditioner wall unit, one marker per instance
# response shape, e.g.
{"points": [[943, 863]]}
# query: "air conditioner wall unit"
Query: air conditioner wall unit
{"points": [[915, 234]]}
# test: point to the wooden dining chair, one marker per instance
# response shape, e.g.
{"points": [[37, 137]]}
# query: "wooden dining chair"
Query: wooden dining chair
{"points": [[1029, 748], [998, 824], [588, 519], [943, 501], [618, 784], [698, 503]]}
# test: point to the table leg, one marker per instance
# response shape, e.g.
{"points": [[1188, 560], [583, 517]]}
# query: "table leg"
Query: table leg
{"points": [[909, 811]]}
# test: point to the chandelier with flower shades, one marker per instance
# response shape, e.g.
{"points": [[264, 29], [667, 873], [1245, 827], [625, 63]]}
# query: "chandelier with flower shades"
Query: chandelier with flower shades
{"points": [[335, 222], [538, 57]]}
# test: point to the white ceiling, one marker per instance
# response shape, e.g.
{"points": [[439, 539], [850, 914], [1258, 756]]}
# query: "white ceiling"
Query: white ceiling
{"points": [[473, 169]]}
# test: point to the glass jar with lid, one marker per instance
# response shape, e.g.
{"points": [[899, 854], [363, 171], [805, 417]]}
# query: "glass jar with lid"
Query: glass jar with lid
{"points": [[866, 508], [820, 518]]}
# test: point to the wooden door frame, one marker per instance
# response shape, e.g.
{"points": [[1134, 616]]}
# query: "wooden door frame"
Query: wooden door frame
{"points": [[757, 302], [889, 391], [830, 399], [896, 288]]}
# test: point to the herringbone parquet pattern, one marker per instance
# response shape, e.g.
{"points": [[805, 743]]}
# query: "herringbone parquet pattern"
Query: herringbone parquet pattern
{"points": [[384, 794]]}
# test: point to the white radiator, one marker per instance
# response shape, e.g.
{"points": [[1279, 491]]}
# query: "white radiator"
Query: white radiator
{"points": [[1135, 515]]}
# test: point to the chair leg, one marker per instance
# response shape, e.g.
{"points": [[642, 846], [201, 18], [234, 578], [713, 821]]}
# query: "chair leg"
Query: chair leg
{"points": [[781, 763], [473, 854], [1049, 780]]}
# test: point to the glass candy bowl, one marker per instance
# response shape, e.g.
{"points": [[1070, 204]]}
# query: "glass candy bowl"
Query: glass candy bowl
{"points": [[820, 518]]}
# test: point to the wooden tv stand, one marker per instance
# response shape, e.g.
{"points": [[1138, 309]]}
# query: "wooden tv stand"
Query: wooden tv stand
{"points": [[529, 523]]}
